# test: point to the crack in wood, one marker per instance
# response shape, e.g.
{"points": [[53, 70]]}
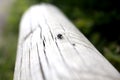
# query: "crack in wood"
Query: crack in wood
{"points": [[31, 32], [44, 43], [30, 75], [44, 50], [49, 28], [40, 31], [21, 60], [60, 53], [40, 63], [62, 27]]}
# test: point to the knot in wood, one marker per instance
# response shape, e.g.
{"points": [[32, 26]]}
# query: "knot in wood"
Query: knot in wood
{"points": [[60, 36]]}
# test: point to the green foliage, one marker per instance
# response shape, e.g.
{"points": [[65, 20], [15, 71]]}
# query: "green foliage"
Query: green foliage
{"points": [[13, 21], [8, 45]]}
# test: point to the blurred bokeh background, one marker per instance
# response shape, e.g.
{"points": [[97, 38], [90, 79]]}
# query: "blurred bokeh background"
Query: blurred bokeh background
{"points": [[98, 20]]}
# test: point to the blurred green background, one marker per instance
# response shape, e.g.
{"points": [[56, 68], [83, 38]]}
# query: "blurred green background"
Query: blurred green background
{"points": [[98, 20]]}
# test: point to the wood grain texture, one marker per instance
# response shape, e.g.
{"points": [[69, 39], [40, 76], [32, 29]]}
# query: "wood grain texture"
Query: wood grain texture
{"points": [[51, 48]]}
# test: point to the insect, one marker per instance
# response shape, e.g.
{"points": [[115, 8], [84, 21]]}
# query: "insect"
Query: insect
{"points": [[60, 36], [73, 44]]}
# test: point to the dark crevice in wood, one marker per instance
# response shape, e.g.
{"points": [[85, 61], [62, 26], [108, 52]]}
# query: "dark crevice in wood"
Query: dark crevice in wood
{"points": [[46, 58], [59, 50], [27, 35], [40, 31], [62, 27], [44, 44], [44, 50], [31, 32], [21, 60], [43, 40], [40, 63], [69, 70], [30, 75], [49, 28], [60, 53]]}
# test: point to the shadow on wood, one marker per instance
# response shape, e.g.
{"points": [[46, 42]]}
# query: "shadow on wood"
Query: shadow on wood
{"points": [[51, 48]]}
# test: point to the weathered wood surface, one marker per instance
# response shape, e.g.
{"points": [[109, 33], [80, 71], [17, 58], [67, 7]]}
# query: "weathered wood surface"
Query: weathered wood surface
{"points": [[52, 48]]}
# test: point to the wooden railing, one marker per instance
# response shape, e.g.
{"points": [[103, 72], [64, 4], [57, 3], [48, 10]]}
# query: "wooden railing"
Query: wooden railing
{"points": [[51, 48]]}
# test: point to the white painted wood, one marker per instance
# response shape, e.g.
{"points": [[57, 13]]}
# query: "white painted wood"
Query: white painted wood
{"points": [[51, 48]]}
